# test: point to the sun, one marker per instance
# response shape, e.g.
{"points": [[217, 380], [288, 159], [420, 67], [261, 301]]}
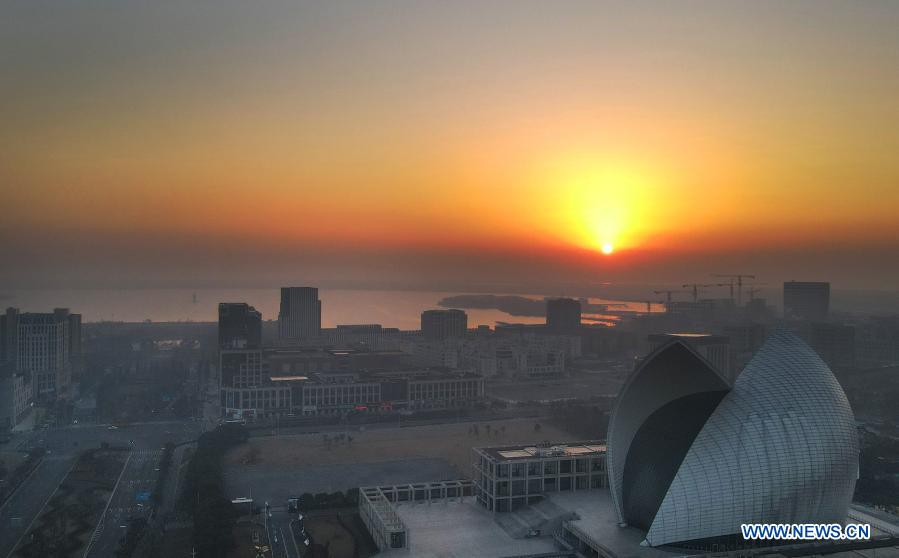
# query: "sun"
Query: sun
{"points": [[607, 248]]}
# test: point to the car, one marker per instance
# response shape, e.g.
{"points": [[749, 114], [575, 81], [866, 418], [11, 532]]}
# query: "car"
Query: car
{"points": [[112, 427]]}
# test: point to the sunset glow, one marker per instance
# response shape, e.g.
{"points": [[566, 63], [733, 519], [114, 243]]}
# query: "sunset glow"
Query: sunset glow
{"points": [[646, 132]]}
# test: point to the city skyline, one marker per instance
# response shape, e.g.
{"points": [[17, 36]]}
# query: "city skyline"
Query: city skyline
{"points": [[357, 279], [420, 142]]}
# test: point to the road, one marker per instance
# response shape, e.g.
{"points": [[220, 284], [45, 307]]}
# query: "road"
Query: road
{"points": [[173, 482], [63, 446], [281, 538], [18, 512], [130, 500], [146, 435]]}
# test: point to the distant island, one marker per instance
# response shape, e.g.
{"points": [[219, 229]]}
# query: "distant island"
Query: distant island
{"points": [[512, 304]]}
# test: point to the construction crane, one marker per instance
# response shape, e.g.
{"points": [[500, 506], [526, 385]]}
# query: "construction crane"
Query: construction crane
{"points": [[668, 294], [752, 289], [739, 278], [731, 285], [695, 288]]}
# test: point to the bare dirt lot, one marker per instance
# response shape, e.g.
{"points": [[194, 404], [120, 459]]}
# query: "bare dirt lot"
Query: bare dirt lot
{"points": [[450, 442], [579, 386]]}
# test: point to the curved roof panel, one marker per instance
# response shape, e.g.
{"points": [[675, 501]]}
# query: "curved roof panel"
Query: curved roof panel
{"points": [[670, 373], [781, 447]]}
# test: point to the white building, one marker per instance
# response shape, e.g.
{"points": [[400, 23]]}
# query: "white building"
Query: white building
{"points": [[44, 347], [15, 399]]}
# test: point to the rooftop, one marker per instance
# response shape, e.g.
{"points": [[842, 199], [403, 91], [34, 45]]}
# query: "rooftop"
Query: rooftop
{"points": [[457, 528], [294, 351], [597, 522], [460, 529], [567, 449], [454, 528], [290, 378]]}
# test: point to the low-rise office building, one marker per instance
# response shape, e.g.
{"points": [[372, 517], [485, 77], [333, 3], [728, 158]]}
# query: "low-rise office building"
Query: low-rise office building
{"points": [[510, 477], [257, 383]]}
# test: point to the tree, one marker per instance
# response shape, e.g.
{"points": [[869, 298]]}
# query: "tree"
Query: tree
{"points": [[352, 497], [336, 500], [306, 501], [213, 514]]}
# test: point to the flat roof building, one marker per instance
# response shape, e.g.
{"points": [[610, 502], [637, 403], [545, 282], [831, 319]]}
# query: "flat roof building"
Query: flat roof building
{"points": [[45, 345], [300, 315], [240, 326], [317, 382], [510, 477], [437, 325], [563, 315]]}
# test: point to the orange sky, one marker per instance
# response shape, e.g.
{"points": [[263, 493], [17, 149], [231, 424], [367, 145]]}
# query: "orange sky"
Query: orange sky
{"points": [[542, 130]]}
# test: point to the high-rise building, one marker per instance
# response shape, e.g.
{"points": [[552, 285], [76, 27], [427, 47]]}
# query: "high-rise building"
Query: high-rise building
{"points": [[46, 344], [9, 330], [301, 314], [240, 326], [15, 386], [563, 314], [806, 300], [437, 325]]}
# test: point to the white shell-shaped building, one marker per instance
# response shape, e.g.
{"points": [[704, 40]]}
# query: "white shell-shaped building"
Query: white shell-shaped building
{"points": [[691, 458]]}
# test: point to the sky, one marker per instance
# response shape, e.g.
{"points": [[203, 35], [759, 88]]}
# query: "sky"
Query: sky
{"points": [[448, 143]]}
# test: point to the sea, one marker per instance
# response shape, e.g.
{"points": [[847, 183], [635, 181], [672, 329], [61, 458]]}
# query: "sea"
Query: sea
{"points": [[390, 308], [401, 309]]}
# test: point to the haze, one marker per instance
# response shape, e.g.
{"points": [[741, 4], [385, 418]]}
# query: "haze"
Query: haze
{"points": [[438, 142]]}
